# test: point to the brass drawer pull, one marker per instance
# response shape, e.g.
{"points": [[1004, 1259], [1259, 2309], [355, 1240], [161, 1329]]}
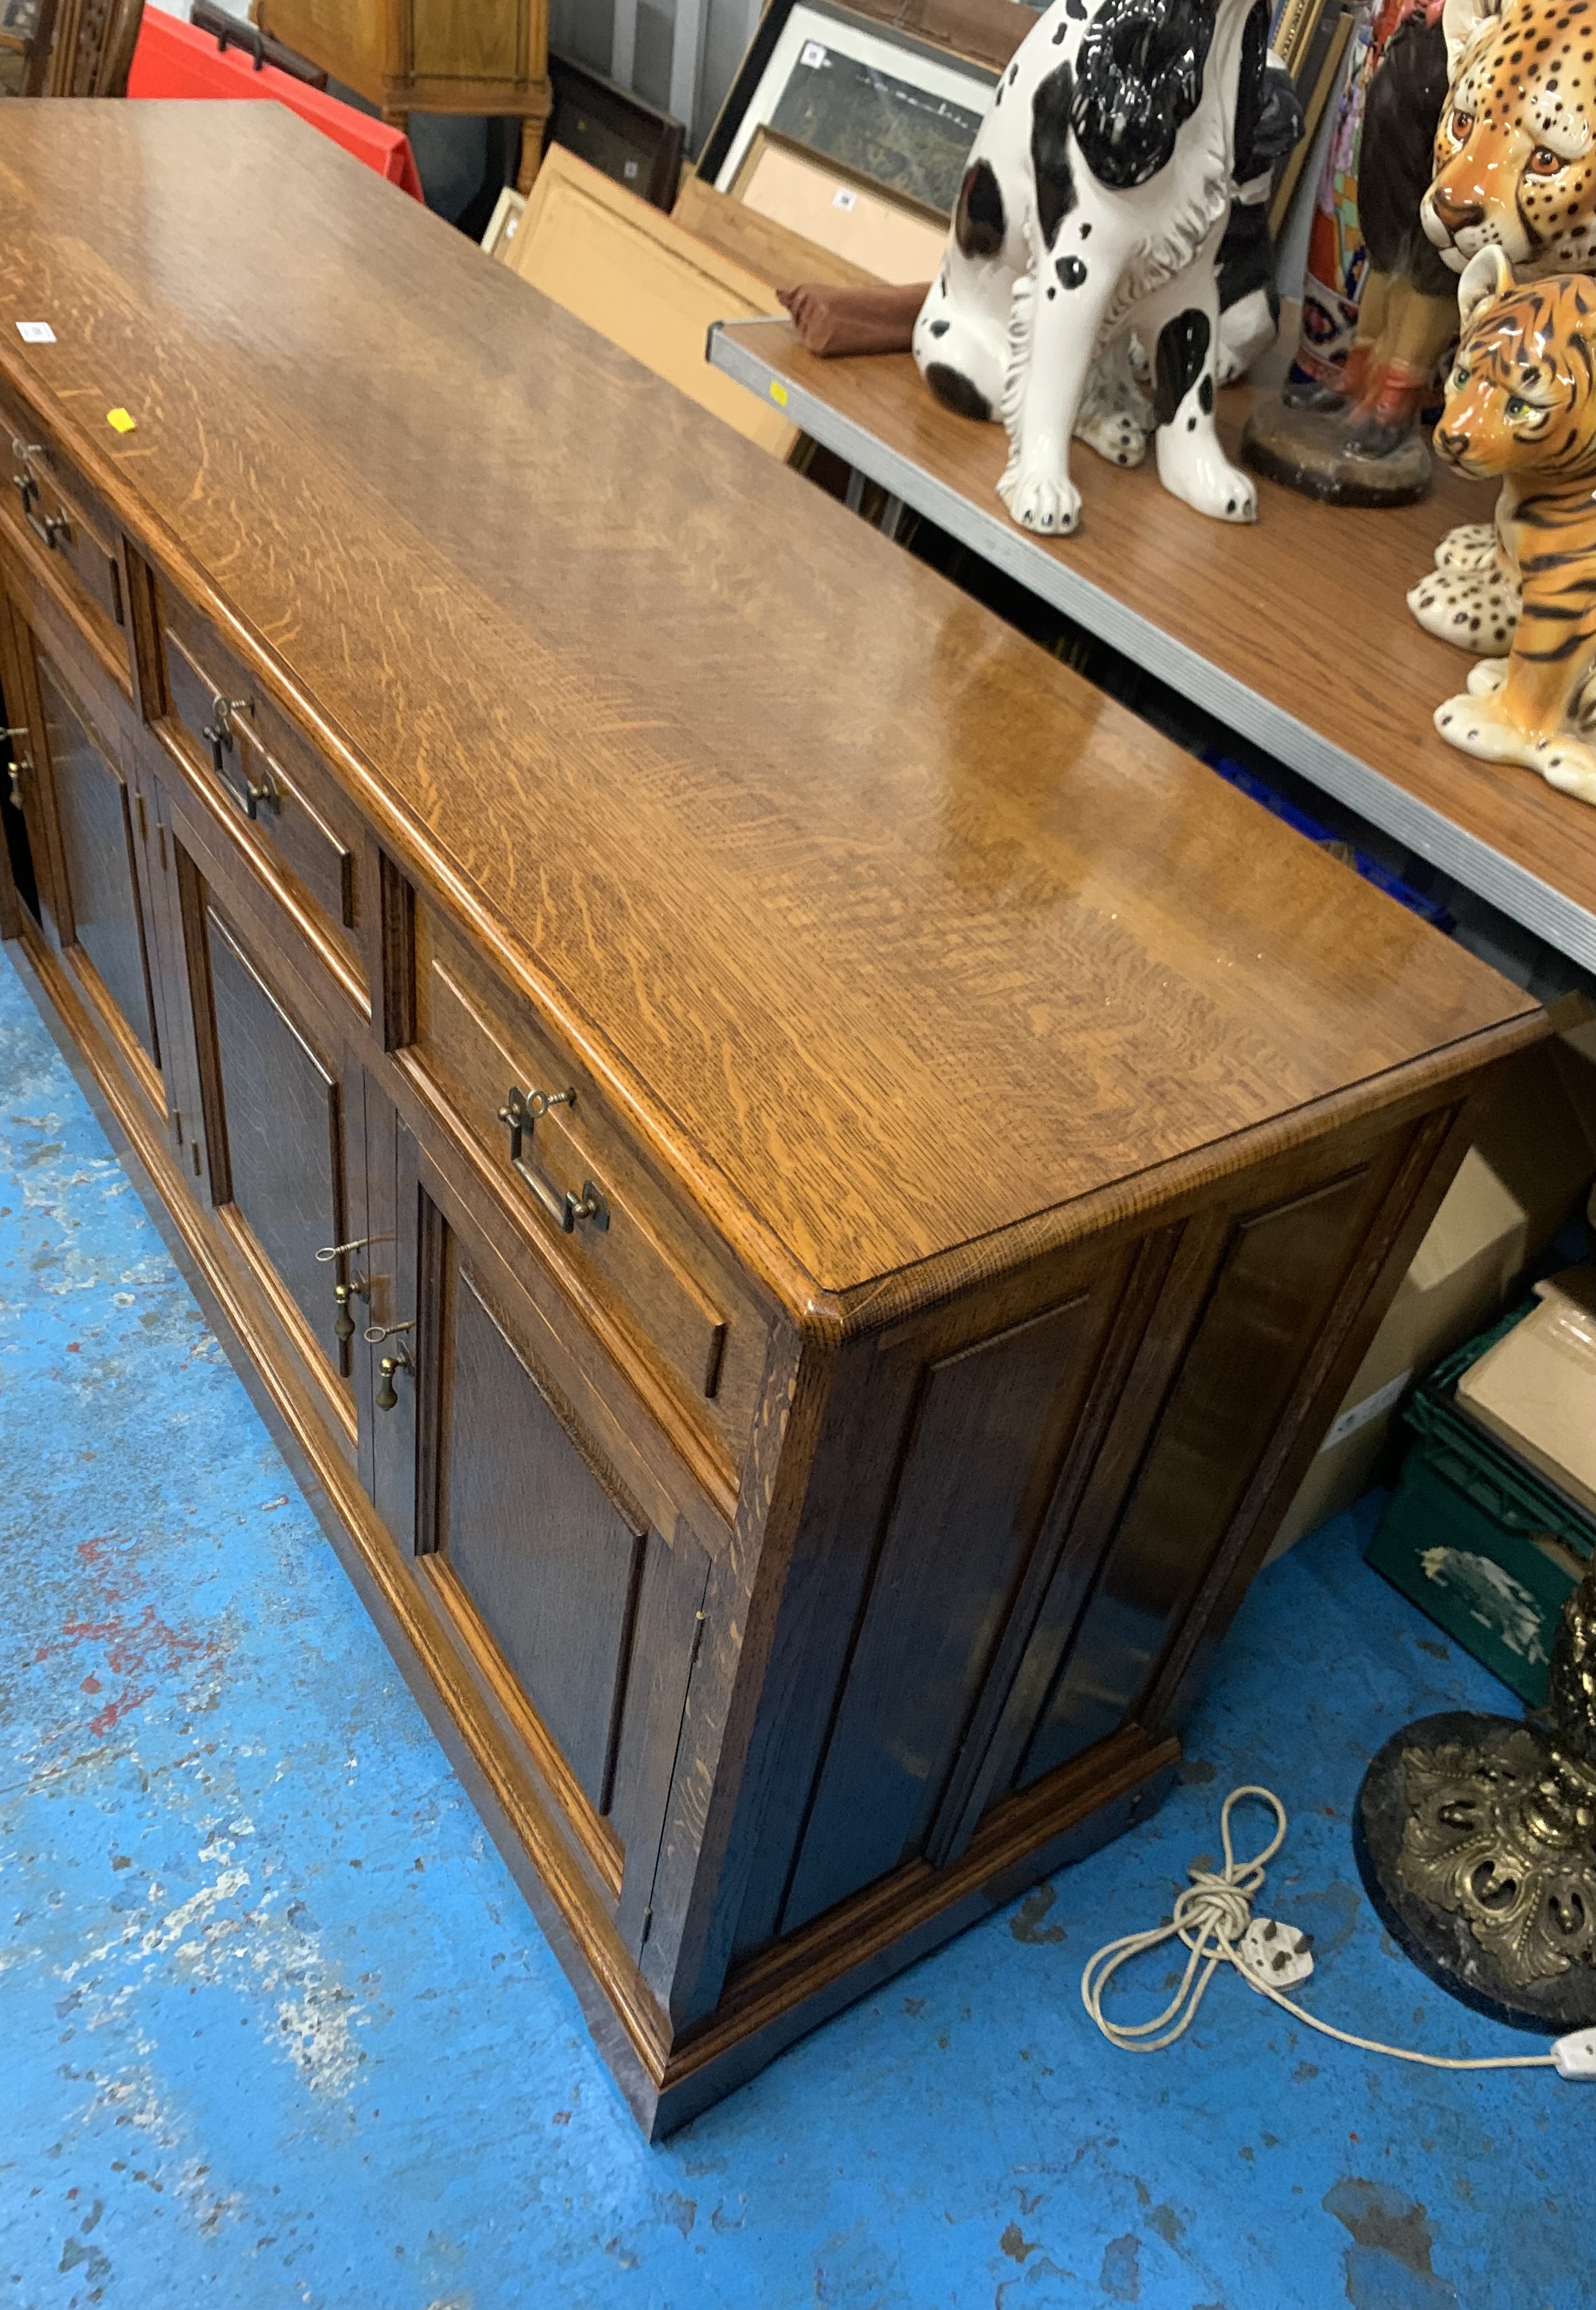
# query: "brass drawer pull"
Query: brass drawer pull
{"points": [[521, 1110], [54, 528], [218, 734], [399, 1359]]}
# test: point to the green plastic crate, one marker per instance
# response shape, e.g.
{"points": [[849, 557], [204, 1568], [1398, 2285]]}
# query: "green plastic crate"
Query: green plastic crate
{"points": [[1481, 1543]]}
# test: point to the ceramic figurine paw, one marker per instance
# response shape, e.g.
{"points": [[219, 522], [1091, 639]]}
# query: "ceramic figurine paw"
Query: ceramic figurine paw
{"points": [[1206, 480], [1469, 724], [1474, 609], [1486, 678], [1569, 765], [1471, 546], [1041, 499], [1117, 439]]}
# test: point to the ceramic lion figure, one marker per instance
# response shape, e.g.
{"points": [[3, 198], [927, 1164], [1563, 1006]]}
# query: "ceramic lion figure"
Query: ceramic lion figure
{"points": [[1520, 403], [1093, 209], [1515, 170]]}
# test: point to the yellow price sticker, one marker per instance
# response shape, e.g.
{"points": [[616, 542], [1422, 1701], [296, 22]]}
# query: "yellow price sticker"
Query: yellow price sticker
{"points": [[779, 394], [120, 421]]}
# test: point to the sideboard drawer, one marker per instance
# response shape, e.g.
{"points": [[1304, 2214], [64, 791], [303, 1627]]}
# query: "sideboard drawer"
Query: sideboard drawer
{"points": [[283, 805], [578, 1186], [66, 523]]}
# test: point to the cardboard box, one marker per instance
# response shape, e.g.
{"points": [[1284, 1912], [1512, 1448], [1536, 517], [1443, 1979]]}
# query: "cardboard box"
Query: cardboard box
{"points": [[1534, 1156], [1536, 1390]]}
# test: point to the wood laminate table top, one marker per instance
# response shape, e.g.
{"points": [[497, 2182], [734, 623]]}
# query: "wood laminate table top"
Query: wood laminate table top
{"points": [[1296, 632], [885, 929]]}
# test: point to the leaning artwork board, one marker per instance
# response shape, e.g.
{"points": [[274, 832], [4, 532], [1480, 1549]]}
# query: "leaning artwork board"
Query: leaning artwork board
{"points": [[1294, 632], [635, 276]]}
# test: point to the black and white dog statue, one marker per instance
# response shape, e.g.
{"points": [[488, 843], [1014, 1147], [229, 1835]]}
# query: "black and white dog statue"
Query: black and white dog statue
{"points": [[1091, 219]]}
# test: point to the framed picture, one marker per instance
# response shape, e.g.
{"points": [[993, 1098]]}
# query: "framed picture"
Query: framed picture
{"points": [[616, 132], [508, 212], [888, 236], [894, 111], [25, 29]]}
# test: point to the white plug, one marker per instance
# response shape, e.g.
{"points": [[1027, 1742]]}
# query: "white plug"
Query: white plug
{"points": [[1278, 1954], [1576, 2054]]}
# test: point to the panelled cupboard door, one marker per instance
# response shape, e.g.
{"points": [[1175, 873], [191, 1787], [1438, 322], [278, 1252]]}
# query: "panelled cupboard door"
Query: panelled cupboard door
{"points": [[85, 821], [284, 1121], [579, 1618]]}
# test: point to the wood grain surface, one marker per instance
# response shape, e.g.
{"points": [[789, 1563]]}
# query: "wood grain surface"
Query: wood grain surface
{"points": [[1308, 608], [884, 929]]}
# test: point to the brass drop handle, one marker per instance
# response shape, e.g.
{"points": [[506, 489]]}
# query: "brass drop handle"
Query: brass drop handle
{"points": [[357, 1287], [521, 1110], [18, 762], [55, 528], [344, 1322], [398, 1360], [218, 734]]}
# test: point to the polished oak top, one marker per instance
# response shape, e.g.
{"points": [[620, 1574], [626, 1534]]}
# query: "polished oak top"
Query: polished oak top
{"points": [[886, 929]]}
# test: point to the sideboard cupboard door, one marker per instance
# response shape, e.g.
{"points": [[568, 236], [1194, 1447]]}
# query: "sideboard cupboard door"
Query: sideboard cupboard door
{"points": [[16, 802], [980, 1469], [82, 810], [95, 812], [1274, 1287], [284, 1133], [578, 1617], [179, 1067]]}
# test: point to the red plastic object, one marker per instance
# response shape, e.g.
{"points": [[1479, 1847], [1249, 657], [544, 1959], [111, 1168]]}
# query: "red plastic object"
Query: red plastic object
{"points": [[172, 59]]}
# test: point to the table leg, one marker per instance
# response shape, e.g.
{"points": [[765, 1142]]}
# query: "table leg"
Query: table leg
{"points": [[533, 124]]}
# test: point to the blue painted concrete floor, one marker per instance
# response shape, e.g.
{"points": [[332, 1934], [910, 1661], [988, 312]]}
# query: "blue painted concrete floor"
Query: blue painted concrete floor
{"points": [[276, 2028]]}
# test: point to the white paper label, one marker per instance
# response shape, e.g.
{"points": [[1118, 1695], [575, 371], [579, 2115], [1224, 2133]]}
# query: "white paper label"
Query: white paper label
{"points": [[36, 333], [812, 55], [631, 169], [844, 198], [1358, 1415]]}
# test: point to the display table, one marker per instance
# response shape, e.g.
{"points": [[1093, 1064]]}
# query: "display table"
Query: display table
{"points": [[1295, 633], [172, 59], [800, 1188]]}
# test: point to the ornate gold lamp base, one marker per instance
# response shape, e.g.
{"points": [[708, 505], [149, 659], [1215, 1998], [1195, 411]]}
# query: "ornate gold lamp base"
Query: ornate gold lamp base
{"points": [[1476, 1839]]}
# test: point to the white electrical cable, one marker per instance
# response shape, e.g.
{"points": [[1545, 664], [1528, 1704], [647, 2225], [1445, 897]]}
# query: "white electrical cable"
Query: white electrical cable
{"points": [[1211, 1914]]}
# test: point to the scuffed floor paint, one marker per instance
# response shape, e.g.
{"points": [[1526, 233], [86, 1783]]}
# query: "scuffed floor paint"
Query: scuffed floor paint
{"points": [[277, 2032]]}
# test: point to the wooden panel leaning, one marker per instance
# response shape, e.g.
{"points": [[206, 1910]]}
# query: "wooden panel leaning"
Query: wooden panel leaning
{"points": [[852, 1171]]}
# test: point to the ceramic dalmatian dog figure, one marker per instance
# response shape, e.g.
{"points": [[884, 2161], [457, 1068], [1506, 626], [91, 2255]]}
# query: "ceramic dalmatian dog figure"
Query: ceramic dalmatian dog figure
{"points": [[1094, 205]]}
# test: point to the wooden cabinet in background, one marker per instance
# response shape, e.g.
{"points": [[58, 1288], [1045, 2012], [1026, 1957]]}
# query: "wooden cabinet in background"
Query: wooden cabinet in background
{"points": [[429, 56], [800, 1188]]}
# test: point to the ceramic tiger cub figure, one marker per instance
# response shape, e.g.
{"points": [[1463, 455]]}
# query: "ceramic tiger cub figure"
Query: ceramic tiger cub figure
{"points": [[1515, 169], [1520, 403]]}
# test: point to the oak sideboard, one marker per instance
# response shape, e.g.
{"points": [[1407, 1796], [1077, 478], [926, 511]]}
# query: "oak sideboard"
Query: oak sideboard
{"points": [[798, 1186]]}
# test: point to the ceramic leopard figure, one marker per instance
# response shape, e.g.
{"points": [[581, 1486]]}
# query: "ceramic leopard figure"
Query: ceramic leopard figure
{"points": [[1514, 169], [1091, 212]]}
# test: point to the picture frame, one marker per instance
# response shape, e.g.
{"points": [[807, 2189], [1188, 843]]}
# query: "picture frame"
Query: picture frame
{"points": [[508, 212], [856, 89], [772, 252], [616, 132], [888, 236]]}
